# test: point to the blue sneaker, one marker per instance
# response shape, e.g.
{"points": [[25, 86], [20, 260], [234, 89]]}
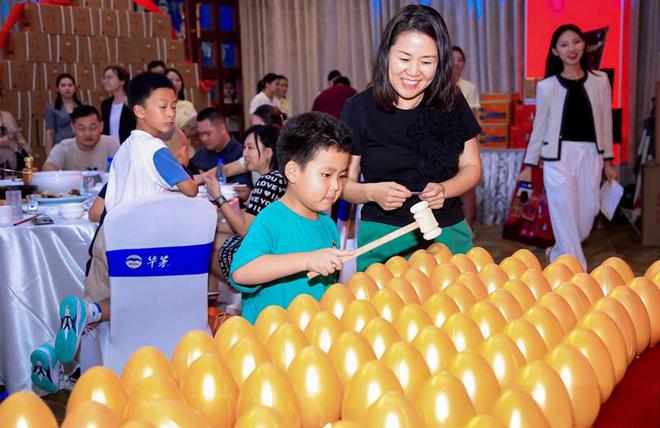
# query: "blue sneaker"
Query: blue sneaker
{"points": [[73, 319], [45, 373]]}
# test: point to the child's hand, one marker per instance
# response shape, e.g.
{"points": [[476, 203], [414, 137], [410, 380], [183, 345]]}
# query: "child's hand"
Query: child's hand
{"points": [[327, 260], [212, 185]]}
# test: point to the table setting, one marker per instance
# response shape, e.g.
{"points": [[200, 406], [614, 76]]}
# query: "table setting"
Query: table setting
{"points": [[44, 241]]}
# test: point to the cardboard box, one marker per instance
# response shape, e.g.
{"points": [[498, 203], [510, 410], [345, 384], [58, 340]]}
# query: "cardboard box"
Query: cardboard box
{"points": [[113, 48], [494, 112], [85, 75], [198, 97], [17, 103], [160, 25], [122, 5], [82, 20], [519, 136], [129, 50], [651, 204], [47, 19], [523, 114], [123, 23], [26, 46], [172, 51], [139, 25], [108, 23], [49, 73], [40, 99], [494, 136], [137, 68], [17, 76], [66, 48], [151, 50], [96, 98], [100, 49], [190, 73], [94, 4]]}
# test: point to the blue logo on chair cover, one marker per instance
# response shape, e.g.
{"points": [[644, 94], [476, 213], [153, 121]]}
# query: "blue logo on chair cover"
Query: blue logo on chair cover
{"points": [[160, 261]]}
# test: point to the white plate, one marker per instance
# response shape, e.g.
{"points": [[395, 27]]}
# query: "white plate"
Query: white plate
{"points": [[4, 183], [64, 200]]}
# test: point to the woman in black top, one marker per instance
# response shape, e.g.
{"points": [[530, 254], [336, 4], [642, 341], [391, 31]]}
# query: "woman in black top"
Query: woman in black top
{"points": [[572, 135], [414, 138], [118, 119], [260, 155]]}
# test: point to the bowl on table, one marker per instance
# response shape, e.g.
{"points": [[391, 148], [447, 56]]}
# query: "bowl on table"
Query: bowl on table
{"points": [[71, 211], [57, 182]]}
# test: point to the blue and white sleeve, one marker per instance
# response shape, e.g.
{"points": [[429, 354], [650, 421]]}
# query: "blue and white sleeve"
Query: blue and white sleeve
{"points": [[168, 168]]}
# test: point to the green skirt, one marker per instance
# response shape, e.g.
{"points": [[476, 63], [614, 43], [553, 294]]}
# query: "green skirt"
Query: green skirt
{"points": [[458, 238]]}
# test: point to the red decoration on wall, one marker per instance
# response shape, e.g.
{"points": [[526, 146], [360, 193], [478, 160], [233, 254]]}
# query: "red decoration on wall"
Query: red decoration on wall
{"points": [[207, 85]]}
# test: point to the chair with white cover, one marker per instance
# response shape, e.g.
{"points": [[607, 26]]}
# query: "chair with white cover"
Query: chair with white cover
{"points": [[158, 252]]}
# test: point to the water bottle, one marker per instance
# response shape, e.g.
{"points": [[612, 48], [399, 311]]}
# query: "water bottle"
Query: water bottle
{"points": [[108, 161], [219, 173]]}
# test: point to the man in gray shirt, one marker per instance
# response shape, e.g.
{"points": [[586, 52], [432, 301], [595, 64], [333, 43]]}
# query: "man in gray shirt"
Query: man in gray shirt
{"points": [[88, 150]]}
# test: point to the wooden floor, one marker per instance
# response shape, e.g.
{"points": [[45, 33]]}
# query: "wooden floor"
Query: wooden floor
{"points": [[621, 241]]}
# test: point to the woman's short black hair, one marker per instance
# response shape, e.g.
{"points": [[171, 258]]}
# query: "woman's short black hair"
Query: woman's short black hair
{"points": [[553, 64], [58, 99], [459, 50], [181, 94], [271, 115], [442, 93], [267, 136], [122, 74], [155, 64], [143, 85], [303, 136], [268, 78]]}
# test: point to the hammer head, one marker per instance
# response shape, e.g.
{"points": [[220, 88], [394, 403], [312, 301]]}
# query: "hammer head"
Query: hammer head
{"points": [[424, 217]]}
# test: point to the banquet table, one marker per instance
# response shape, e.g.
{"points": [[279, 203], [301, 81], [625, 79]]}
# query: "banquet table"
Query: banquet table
{"points": [[39, 266], [501, 168]]}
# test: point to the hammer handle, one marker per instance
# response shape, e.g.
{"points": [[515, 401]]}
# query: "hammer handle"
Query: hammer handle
{"points": [[375, 244]]}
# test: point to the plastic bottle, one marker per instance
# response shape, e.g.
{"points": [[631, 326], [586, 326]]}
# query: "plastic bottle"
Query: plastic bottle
{"points": [[108, 161], [219, 173]]}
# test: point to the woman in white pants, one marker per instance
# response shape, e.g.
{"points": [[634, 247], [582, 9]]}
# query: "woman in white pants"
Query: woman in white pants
{"points": [[572, 135]]}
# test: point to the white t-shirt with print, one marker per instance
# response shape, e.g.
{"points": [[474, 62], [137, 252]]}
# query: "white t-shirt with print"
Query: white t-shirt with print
{"points": [[142, 166]]}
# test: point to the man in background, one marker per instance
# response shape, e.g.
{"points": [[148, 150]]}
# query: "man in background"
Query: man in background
{"points": [[88, 150], [332, 100]]}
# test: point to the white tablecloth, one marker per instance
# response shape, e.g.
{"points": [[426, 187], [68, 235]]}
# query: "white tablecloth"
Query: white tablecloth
{"points": [[501, 168], [39, 266]]}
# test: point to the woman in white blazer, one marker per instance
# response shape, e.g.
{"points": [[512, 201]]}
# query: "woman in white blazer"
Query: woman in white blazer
{"points": [[572, 136]]}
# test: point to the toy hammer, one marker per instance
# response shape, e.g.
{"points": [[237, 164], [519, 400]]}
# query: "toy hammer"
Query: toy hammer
{"points": [[424, 220]]}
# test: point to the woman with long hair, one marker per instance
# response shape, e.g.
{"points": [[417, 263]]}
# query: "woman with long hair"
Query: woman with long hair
{"points": [[572, 136], [261, 157], [58, 122], [118, 119], [414, 138], [266, 92]]}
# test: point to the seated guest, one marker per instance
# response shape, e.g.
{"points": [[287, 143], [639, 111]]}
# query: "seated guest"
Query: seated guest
{"points": [[267, 115], [332, 100], [292, 236], [88, 150], [261, 157], [218, 144], [143, 166], [156, 66], [13, 147], [58, 121], [118, 119]]}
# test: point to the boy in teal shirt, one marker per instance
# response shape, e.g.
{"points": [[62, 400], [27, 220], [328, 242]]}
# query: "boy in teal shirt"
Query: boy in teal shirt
{"points": [[292, 236]]}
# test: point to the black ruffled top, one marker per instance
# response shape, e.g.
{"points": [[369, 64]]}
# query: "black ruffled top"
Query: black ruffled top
{"points": [[411, 147]]}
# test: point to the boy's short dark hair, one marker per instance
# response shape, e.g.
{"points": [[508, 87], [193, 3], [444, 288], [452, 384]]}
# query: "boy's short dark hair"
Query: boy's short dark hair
{"points": [[333, 75], [342, 80], [212, 114], [304, 135], [84, 110], [143, 85], [155, 64]]}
